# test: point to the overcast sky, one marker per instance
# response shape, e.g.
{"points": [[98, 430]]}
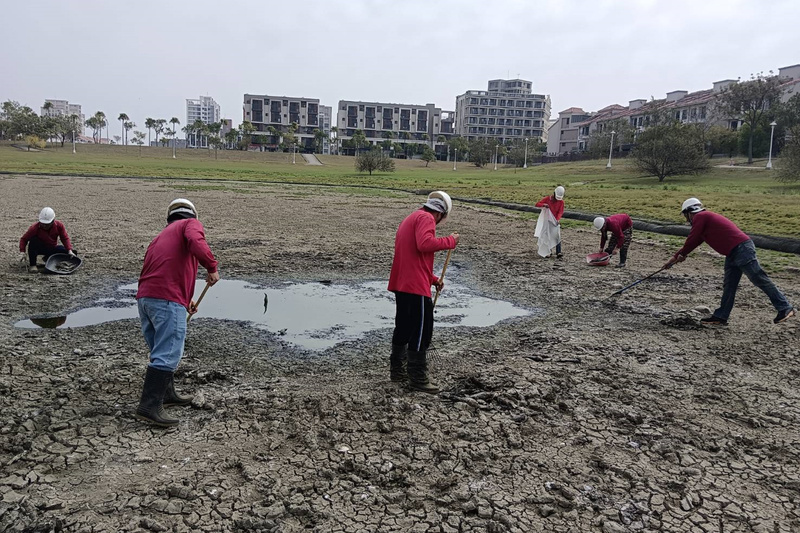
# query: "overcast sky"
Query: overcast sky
{"points": [[145, 58]]}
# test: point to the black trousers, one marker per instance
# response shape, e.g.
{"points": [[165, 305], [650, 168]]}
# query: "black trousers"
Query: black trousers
{"points": [[413, 321], [37, 247]]}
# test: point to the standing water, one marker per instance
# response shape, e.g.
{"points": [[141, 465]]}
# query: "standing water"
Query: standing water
{"points": [[314, 315]]}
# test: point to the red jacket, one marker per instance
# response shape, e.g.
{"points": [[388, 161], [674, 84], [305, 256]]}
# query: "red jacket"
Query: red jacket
{"points": [[49, 237], [720, 233], [414, 246], [616, 224], [556, 206], [170, 263]]}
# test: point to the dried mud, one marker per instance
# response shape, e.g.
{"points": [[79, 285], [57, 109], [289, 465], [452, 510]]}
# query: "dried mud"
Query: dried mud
{"points": [[601, 415]]}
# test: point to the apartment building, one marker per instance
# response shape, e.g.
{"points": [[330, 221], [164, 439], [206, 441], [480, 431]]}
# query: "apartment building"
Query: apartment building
{"points": [[64, 108], [563, 135], [204, 109], [508, 111], [407, 123], [683, 106], [274, 115]]}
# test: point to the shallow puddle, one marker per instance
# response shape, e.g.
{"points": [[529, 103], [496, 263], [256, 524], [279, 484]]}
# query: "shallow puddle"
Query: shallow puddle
{"points": [[314, 316]]}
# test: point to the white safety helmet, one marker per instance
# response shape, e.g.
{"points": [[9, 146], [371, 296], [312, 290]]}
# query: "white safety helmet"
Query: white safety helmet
{"points": [[47, 215], [692, 205], [599, 222], [559, 192], [444, 197], [181, 205]]}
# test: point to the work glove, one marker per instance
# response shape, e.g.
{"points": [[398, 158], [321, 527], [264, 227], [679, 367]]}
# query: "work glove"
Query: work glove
{"points": [[71, 253], [23, 256]]}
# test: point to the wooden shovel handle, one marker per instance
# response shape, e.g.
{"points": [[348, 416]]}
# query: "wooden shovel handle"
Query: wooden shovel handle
{"points": [[197, 303], [441, 278]]}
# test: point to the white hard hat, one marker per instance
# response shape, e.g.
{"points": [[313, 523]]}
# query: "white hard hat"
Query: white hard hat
{"points": [[598, 222], [692, 205], [47, 215], [181, 205], [559, 192], [444, 197]]}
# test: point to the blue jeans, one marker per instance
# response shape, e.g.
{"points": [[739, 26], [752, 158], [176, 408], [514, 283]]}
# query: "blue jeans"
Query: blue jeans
{"points": [[164, 330], [742, 259]]}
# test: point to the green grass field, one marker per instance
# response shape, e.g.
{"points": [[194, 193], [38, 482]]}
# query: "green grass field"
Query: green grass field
{"points": [[750, 197]]}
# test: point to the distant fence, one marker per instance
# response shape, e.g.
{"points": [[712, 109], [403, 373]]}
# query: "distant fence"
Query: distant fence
{"points": [[577, 156]]}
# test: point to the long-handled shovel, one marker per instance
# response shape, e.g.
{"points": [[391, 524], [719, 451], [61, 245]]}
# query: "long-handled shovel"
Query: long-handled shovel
{"points": [[639, 281], [441, 278], [197, 303]]}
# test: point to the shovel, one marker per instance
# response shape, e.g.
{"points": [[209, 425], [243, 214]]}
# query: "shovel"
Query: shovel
{"points": [[197, 303], [623, 289]]}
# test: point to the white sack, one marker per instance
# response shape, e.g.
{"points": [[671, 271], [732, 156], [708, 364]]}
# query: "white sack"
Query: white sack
{"points": [[547, 231]]}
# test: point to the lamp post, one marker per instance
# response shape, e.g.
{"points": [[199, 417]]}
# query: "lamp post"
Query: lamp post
{"points": [[610, 148], [294, 152], [771, 135], [525, 164], [74, 133], [455, 158]]}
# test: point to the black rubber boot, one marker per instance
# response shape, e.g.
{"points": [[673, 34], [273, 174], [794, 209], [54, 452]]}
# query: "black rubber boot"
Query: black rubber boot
{"points": [[398, 361], [418, 377], [173, 398], [623, 256], [151, 405]]}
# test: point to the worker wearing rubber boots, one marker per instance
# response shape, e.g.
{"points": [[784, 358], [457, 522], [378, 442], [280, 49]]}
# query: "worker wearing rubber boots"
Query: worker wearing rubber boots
{"points": [[555, 203], [621, 228], [740, 258], [42, 239], [166, 286], [410, 280]]}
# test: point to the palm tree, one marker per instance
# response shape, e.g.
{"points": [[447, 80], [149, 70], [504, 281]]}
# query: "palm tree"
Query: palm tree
{"points": [[101, 123], [128, 125], [149, 123], [123, 118], [47, 107], [335, 137], [174, 121], [159, 127], [199, 130]]}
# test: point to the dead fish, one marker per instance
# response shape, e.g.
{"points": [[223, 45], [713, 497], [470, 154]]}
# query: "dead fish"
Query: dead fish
{"points": [[266, 302]]}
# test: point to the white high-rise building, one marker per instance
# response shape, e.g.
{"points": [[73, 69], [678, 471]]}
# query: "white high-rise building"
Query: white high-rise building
{"points": [[204, 109]]}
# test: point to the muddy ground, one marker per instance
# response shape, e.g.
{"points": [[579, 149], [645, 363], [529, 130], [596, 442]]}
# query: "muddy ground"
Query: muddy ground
{"points": [[620, 415]]}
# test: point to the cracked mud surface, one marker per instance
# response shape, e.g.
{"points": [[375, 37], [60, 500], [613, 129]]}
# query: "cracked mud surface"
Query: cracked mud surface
{"points": [[611, 416]]}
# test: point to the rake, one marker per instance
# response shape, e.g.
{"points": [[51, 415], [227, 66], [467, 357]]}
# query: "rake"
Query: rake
{"points": [[435, 359], [623, 289], [197, 304]]}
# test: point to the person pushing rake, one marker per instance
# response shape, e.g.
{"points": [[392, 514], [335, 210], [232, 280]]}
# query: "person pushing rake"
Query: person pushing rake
{"points": [[410, 280]]}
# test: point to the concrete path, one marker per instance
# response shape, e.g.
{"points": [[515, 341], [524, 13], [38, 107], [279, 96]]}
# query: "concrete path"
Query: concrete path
{"points": [[311, 159]]}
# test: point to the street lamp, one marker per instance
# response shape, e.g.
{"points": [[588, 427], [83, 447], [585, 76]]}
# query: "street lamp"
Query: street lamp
{"points": [[74, 133], [771, 135], [455, 158], [610, 148], [294, 152], [525, 165], [495, 155]]}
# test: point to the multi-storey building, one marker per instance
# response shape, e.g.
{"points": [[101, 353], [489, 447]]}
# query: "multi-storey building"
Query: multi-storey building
{"points": [[508, 111], [326, 114], [683, 106], [563, 135], [273, 116], [407, 123], [64, 108], [204, 109]]}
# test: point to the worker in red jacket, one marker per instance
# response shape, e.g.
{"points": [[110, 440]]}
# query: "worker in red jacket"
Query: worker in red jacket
{"points": [[410, 279], [724, 237], [166, 287], [621, 228], [555, 203], [42, 239]]}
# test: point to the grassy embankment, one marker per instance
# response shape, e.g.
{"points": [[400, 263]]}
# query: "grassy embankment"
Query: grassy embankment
{"points": [[750, 197]]}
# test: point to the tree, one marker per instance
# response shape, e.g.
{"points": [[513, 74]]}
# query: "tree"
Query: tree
{"points": [[47, 107], [359, 140], [138, 138], [480, 152], [458, 144], [670, 149], [232, 138], [214, 141], [319, 139], [721, 140], [101, 123], [373, 160], [428, 155], [128, 126], [33, 141], [749, 101], [149, 123], [600, 140], [335, 138], [93, 124], [123, 118], [117, 139], [158, 127]]}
